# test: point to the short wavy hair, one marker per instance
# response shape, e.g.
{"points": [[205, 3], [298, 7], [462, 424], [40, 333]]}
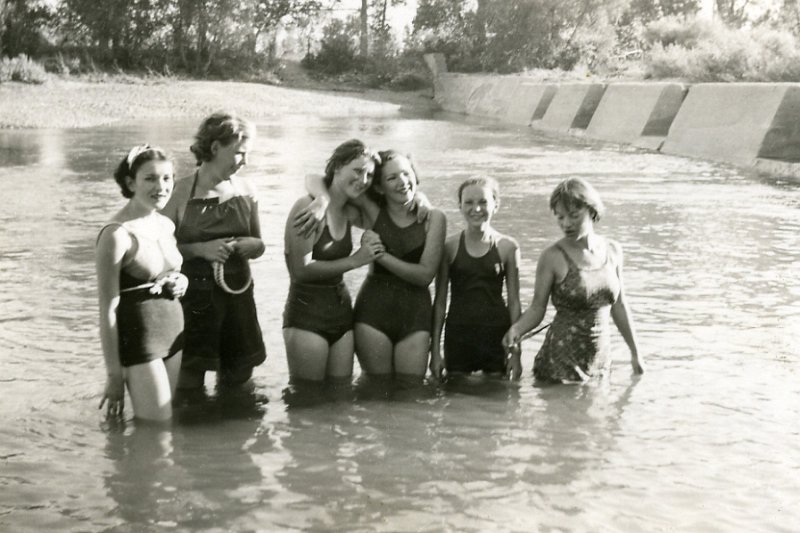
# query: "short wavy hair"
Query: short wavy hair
{"points": [[575, 193], [344, 154], [223, 127]]}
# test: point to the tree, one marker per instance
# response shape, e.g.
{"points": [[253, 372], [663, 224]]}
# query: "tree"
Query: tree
{"points": [[363, 47], [789, 15], [268, 14], [21, 26], [511, 35], [732, 12], [5, 9]]}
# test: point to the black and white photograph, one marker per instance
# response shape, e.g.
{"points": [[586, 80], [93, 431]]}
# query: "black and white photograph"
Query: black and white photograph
{"points": [[468, 266]]}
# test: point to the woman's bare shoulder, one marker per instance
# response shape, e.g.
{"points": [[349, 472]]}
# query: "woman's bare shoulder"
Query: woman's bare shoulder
{"points": [[553, 254], [506, 245], [113, 234], [244, 187]]}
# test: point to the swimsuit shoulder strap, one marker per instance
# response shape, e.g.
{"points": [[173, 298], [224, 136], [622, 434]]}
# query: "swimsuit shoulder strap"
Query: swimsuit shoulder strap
{"points": [[570, 262], [610, 255], [461, 249], [194, 185], [131, 253], [109, 225], [494, 249]]}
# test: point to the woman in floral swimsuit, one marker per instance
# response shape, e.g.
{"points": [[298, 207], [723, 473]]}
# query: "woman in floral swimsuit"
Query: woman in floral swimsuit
{"points": [[582, 272]]}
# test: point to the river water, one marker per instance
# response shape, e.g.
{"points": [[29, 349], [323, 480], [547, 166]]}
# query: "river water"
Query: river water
{"points": [[707, 440]]}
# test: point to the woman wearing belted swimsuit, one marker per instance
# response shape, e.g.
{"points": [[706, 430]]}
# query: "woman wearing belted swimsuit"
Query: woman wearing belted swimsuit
{"points": [[139, 283], [217, 228]]}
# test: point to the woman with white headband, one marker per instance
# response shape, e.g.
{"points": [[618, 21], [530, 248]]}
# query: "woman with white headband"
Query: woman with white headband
{"points": [[215, 212], [139, 283]]}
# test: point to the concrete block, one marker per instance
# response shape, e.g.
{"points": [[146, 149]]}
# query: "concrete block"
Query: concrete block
{"points": [[436, 63], [490, 98], [782, 141], [528, 100], [627, 111], [453, 91], [544, 103], [572, 107], [730, 121]]}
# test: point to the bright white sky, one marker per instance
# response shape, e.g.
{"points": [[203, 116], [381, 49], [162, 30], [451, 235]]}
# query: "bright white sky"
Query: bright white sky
{"points": [[399, 16]]}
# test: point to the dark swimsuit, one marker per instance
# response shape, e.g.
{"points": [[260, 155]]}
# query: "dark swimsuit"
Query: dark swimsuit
{"points": [[478, 316], [579, 335], [386, 302], [149, 326], [322, 307], [222, 330]]}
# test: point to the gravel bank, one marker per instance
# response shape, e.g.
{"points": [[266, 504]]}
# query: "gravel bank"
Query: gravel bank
{"points": [[78, 104]]}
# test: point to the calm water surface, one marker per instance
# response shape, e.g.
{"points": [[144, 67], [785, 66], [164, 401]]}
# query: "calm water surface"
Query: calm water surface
{"points": [[706, 441]]}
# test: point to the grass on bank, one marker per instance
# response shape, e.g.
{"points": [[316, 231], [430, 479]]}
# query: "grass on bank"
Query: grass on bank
{"points": [[22, 69]]}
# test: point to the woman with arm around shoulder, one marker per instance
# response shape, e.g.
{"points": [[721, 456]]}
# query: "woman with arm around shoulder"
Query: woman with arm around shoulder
{"points": [[139, 281], [215, 212], [582, 272], [393, 309], [477, 262], [318, 317]]}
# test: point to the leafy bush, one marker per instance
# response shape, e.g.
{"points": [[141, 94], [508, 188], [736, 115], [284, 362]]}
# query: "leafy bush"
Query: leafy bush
{"points": [[676, 31], [22, 68], [338, 52], [707, 52]]}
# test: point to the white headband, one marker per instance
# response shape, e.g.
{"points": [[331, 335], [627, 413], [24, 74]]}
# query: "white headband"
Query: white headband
{"points": [[135, 152]]}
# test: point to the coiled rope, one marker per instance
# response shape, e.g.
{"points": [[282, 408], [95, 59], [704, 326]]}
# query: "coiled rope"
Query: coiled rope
{"points": [[219, 278]]}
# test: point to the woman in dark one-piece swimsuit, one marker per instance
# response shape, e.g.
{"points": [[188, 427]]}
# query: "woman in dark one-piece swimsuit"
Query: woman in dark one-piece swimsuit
{"points": [[318, 317], [393, 310], [216, 217]]}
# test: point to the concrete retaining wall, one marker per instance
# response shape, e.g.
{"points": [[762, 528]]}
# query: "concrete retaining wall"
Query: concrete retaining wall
{"points": [[630, 111], [736, 122], [511, 99], [436, 63], [453, 91], [750, 124], [572, 107], [492, 97], [782, 140], [529, 102]]}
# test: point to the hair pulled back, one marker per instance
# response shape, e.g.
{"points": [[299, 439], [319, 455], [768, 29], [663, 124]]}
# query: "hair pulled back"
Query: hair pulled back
{"points": [[481, 181], [222, 127], [130, 164]]}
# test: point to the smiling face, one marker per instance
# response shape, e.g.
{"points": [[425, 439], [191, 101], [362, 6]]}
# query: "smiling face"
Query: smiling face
{"points": [[398, 182], [575, 221], [354, 178], [478, 205], [153, 184]]}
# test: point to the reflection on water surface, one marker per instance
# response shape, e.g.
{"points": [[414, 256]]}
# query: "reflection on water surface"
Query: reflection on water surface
{"points": [[712, 262]]}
